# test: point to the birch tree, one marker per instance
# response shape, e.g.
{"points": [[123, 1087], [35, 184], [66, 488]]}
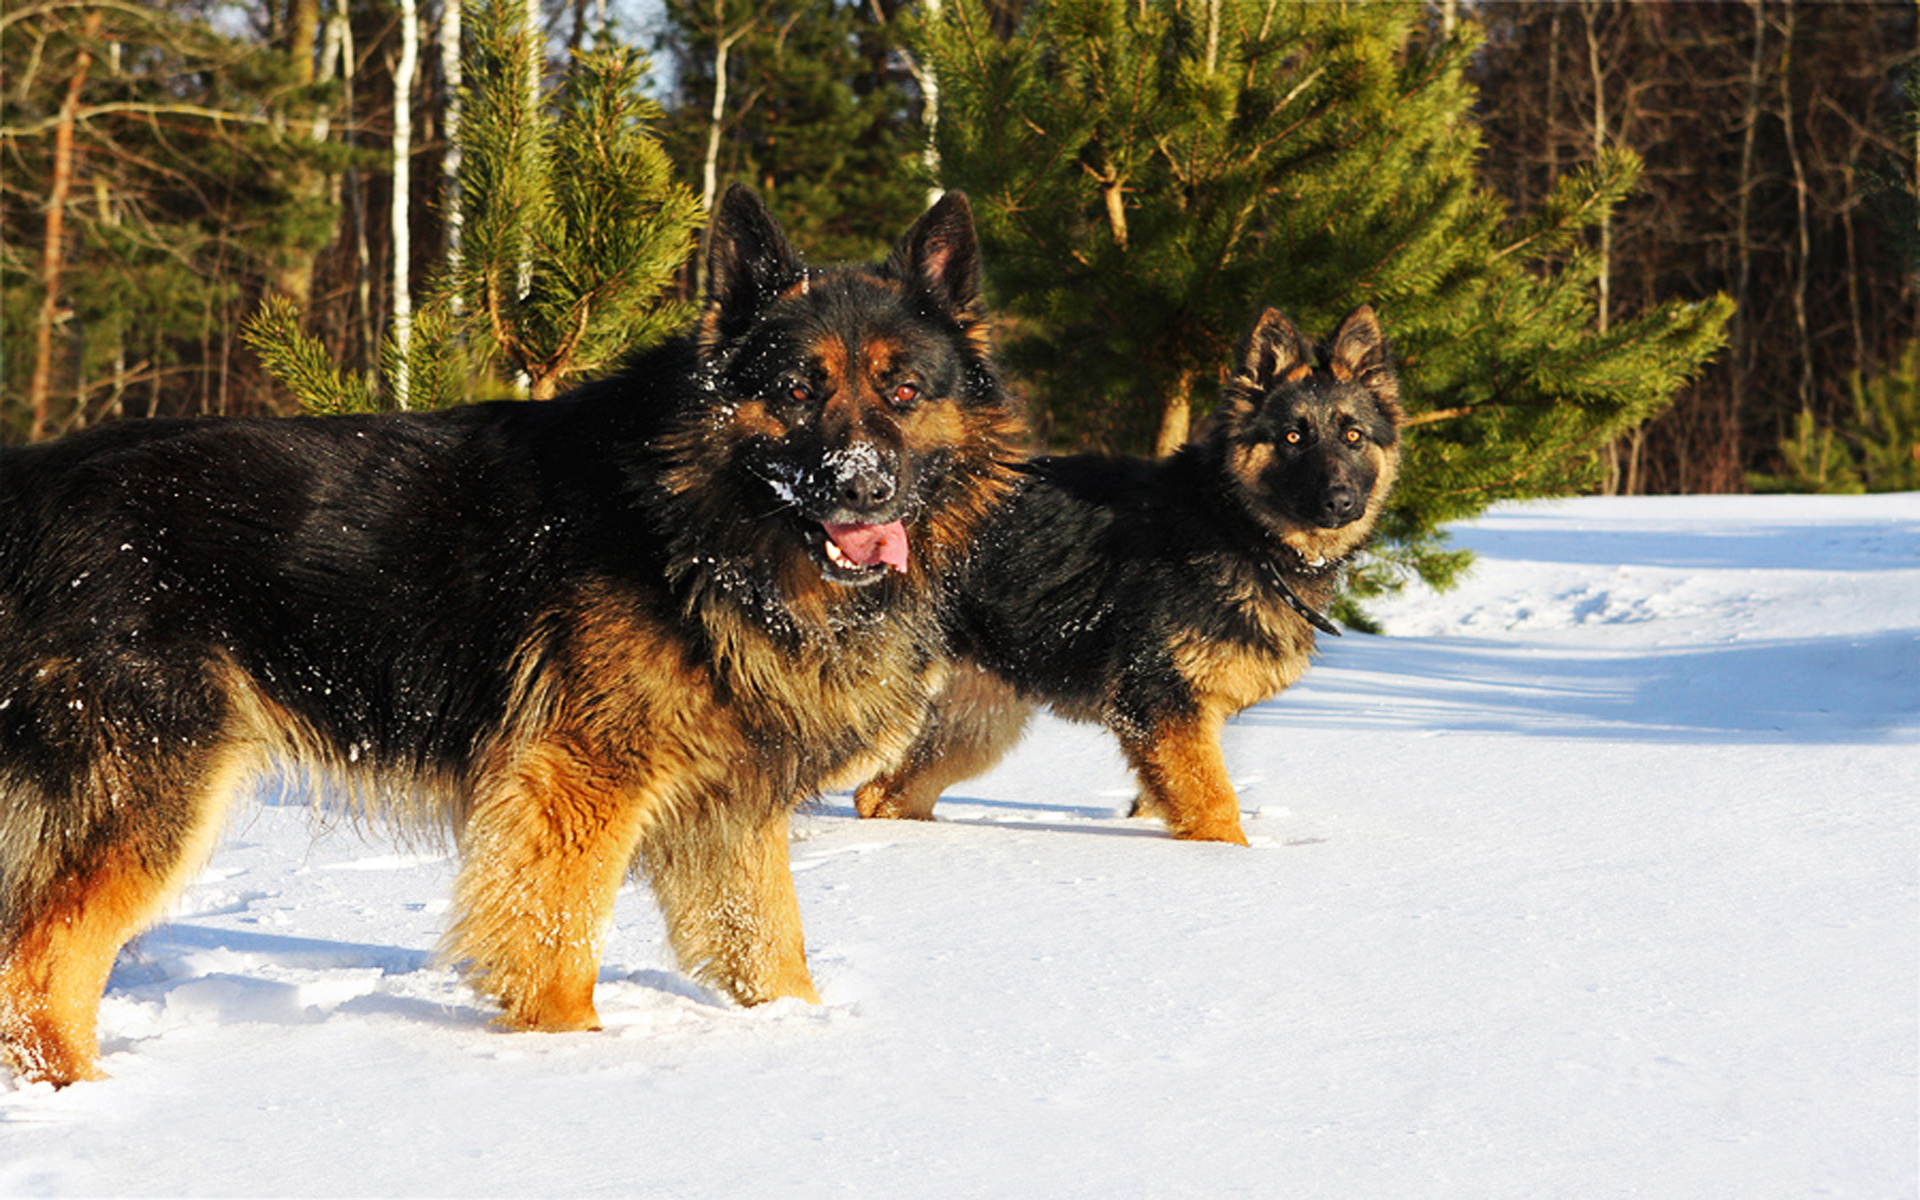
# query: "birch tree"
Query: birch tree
{"points": [[573, 230], [401, 235]]}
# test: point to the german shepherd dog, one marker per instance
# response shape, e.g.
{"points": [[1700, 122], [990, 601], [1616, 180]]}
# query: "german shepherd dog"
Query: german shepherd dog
{"points": [[630, 628], [1160, 598]]}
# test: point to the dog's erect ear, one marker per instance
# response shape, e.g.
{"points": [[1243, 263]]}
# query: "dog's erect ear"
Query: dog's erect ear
{"points": [[1359, 351], [941, 254], [1273, 351], [749, 263], [1358, 346]]}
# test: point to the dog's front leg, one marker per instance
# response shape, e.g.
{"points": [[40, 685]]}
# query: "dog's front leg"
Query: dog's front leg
{"points": [[1183, 779], [726, 890], [544, 852]]}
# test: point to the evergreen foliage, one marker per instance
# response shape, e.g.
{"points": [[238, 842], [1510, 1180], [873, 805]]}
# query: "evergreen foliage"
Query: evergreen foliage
{"points": [[1149, 173], [574, 227], [1884, 432], [1813, 458], [181, 204], [302, 363], [821, 116], [1875, 447]]}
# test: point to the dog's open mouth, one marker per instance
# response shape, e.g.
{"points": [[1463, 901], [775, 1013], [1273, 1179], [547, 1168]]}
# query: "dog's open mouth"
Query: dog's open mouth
{"points": [[860, 553]]}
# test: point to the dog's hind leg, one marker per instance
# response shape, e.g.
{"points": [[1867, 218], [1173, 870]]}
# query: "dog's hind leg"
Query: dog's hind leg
{"points": [[725, 888], [1183, 779], [543, 854], [81, 894], [972, 723]]}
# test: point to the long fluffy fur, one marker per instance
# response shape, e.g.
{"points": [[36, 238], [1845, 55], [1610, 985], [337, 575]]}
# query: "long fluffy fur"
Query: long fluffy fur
{"points": [[1159, 598], [585, 635]]}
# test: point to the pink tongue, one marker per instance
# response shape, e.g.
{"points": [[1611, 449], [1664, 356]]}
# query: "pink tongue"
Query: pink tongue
{"points": [[870, 544]]}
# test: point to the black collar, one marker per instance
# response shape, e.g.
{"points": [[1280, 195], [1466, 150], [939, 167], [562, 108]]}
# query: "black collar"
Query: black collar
{"points": [[1279, 582]]}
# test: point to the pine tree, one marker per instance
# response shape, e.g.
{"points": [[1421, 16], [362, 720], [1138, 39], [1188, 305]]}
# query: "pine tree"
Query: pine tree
{"points": [[147, 179], [1884, 430], [1149, 173], [819, 114], [573, 227]]}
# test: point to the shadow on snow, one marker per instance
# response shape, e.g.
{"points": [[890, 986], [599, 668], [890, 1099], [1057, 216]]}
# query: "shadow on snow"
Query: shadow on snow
{"points": [[1862, 690]]}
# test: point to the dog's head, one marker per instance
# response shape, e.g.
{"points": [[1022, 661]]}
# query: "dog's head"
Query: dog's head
{"points": [[1311, 435], [852, 432]]}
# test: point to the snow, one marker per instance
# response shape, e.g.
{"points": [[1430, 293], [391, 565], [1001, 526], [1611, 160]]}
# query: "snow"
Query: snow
{"points": [[1596, 877]]}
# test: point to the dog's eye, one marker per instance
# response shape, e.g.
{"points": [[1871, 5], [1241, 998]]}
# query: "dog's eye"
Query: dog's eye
{"points": [[905, 393], [800, 392], [1292, 437], [1353, 437]]}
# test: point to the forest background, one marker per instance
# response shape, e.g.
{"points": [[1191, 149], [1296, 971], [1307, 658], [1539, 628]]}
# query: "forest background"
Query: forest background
{"points": [[166, 166]]}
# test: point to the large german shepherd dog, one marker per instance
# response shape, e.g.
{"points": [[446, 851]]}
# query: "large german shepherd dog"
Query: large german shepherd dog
{"points": [[1160, 598], [630, 628]]}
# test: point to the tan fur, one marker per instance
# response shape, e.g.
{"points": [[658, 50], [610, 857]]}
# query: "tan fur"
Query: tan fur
{"points": [[544, 852], [56, 968], [726, 891], [977, 720], [1331, 545], [1183, 779], [1173, 744], [662, 677]]}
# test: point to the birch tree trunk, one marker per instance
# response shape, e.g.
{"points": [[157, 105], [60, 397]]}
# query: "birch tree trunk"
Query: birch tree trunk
{"points": [[403, 76], [716, 121], [450, 74], [536, 56], [929, 82]]}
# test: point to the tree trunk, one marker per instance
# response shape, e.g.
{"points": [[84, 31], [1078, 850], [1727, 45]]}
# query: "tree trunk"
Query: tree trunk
{"points": [[1176, 417], [303, 27], [536, 57], [403, 75], [1623, 453], [929, 110], [53, 259], [716, 120], [716, 115], [1802, 221], [1553, 96], [359, 325], [1589, 10], [1746, 332], [294, 275], [450, 74]]}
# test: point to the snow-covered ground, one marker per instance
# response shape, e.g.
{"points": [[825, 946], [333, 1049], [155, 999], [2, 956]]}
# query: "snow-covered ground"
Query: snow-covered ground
{"points": [[1596, 878]]}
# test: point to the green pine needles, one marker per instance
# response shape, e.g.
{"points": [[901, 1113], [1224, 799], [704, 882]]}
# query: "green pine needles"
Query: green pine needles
{"points": [[1149, 173], [573, 227]]}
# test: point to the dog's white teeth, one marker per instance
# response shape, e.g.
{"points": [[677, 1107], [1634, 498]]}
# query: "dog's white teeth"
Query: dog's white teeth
{"points": [[836, 555]]}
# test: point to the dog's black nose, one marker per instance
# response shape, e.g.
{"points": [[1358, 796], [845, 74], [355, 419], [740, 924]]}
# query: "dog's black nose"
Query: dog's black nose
{"points": [[865, 489], [1340, 505]]}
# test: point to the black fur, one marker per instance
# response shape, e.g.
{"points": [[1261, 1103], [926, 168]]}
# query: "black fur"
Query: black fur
{"points": [[1159, 597], [581, 633]]}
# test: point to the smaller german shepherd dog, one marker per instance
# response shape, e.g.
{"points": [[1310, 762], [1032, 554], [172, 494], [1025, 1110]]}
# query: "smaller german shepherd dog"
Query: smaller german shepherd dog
{"points": [[629, 628], [1160, 598]]}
